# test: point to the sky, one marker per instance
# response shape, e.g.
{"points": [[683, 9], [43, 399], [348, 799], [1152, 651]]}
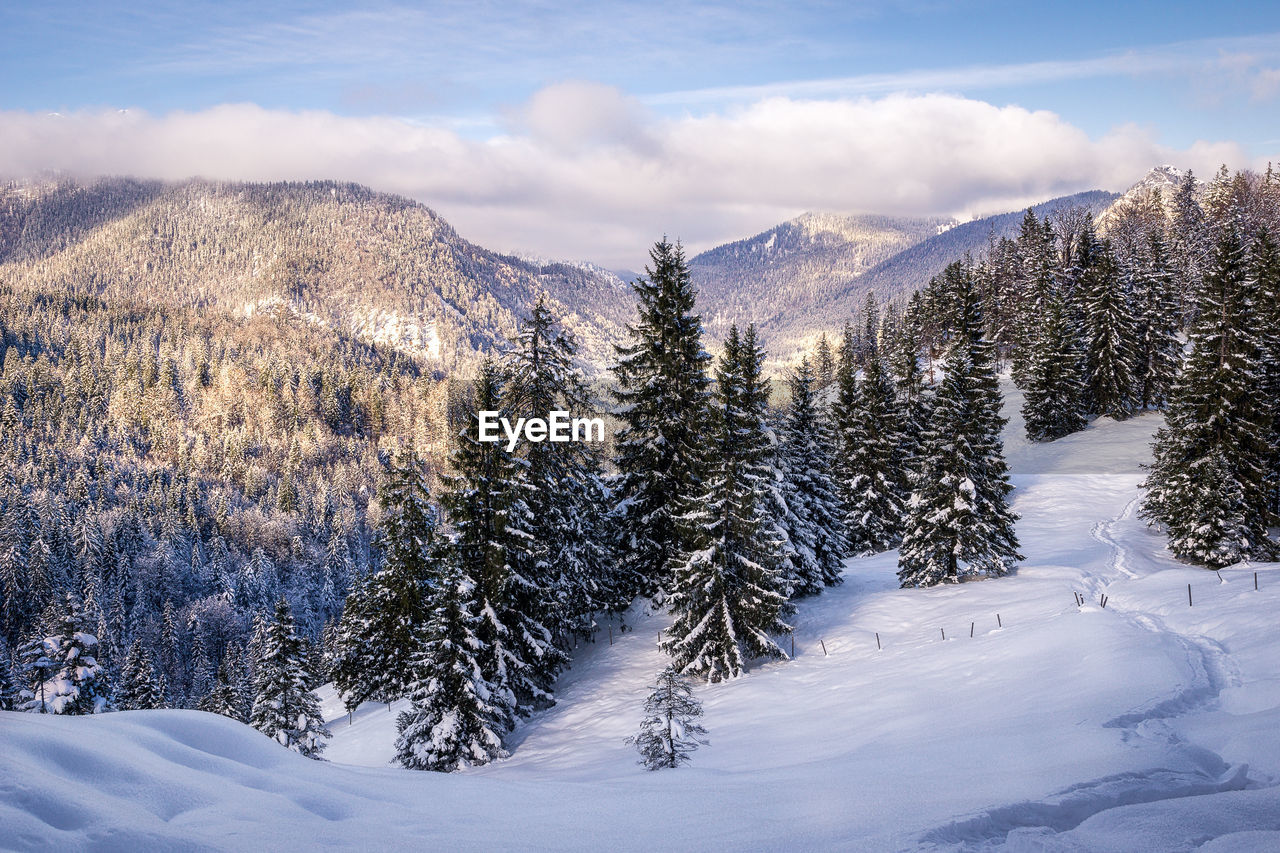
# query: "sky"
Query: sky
{"points": [[587, 130]]}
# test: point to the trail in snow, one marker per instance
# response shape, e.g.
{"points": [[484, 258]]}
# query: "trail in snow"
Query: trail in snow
{"points": [[1101, 531], [1211, 669]]}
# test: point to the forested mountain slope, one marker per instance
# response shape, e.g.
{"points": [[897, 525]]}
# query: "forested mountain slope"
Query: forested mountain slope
{"points": [[799, 266], [377, 266]]}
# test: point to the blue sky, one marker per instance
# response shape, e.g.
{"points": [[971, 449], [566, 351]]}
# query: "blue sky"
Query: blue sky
{"points": [[958, 95]]}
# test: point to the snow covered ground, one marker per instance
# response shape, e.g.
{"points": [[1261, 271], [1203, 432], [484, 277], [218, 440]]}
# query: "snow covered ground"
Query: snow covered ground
{"points": [[1145, 725]]}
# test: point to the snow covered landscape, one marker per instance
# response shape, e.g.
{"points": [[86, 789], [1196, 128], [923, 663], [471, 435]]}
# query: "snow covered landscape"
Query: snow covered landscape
{"points": [[1038, 724], [640, 426]]}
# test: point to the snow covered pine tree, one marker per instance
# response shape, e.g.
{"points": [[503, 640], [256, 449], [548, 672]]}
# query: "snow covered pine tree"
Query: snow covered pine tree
{"points": [[670, 731], [283, 708], [726, 592], [140, 685], [453, 722], [958, 519], [66, 677], [1207, 485], [662, 400], [375, 641], [816, 521]]}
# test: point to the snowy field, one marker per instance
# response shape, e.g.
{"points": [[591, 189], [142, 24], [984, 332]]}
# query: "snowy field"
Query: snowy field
{"points": [[1037, 724]]}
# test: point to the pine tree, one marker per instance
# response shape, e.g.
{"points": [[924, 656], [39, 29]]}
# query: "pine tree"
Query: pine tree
{"points": [[283, 708], [67, 678], [825, 368], [726, 592], [1159, 348], [663, 398], [140, 687], [1208, 483], [909, 395], [1109, 339], [226, 697], [9, 690], [1055, 388], [1265, 275], [1189, 245], [817, 530], [452, 722], [871, 467], [670, 731], [201, 666], [1035, 281], [485, 505], [567, 579], [375, 642], [958, 518]]}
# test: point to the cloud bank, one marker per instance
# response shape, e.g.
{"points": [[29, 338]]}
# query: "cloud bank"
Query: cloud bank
{"points": [[583, 171]]}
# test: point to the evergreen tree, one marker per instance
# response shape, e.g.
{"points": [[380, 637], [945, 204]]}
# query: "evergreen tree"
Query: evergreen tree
{"points": [[484, 502], [825, 369], [9, 690], [871, 466], [1035, 281], [1189, 245], [375, 642], [726, 592], [201, 666], [67, 678], [910, 399], [227, 697], [140, 685], [1109, 339], [283, 708], [663, 398], [567, 580], [958, 518], [670, 731], [1055, 388], [1265, 276], [1159, 348], [452, 722], [1208, 483], [817, 530]]}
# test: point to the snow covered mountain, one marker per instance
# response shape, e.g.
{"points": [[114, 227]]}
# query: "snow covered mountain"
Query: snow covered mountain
{"points": [[387, 270], [336, 256], [1016, 714], [814, 273], [1155, 187]]}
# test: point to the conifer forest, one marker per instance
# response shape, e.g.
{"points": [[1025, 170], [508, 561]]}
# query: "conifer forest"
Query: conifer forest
{"points": [[221, 511]]}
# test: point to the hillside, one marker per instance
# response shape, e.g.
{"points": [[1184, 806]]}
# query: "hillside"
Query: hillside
{"points": [[389, 271], [812, 273], [339, 256], [797, 266], [1056, 727]]}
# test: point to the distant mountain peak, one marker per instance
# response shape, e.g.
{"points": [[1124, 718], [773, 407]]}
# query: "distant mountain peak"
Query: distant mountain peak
{"points": [[1159, 177], [1162, 180]]}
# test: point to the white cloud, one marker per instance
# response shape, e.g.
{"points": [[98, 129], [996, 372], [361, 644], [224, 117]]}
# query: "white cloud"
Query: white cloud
{"points": [[584, 171]]}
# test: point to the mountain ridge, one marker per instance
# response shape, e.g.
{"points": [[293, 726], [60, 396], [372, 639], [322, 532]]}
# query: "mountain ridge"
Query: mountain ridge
{"points": [[390, 271]]}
